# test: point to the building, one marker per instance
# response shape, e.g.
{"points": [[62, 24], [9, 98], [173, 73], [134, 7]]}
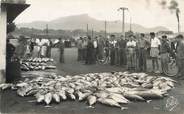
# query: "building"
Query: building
{"points": [[9, 10]]}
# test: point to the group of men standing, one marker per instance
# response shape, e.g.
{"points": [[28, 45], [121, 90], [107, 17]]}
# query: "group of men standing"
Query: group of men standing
{"points": [[134, 51], [87, 50]]}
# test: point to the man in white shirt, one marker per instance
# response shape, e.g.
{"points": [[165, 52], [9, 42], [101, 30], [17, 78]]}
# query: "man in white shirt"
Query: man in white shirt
{"points": [[154, 52], [95, 44], [131, 54]]}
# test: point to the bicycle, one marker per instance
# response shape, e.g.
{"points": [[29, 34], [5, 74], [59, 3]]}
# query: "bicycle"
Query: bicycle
{"points": [[105, 59], [172, 70]]}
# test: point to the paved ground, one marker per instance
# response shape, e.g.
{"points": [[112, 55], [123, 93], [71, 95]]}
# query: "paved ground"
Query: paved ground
{"points": [[11, 103]]}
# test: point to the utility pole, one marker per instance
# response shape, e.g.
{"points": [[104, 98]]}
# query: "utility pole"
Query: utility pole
{"points": [[178, 18], [130, 23], [105, 29], [87, 29], [92, 33], [47, 30], [123, 19]]}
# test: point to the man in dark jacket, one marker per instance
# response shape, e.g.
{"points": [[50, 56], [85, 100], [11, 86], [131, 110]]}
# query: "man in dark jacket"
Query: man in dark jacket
{"points": [[180, 55], [90, 52], [61, 47], [142, 53], [122, 45], [10, 49]]}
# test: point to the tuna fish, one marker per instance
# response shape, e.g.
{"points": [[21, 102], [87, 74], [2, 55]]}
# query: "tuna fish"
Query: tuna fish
{"points": [[40, 98], [48, 98], [56, 97], [72, 96], [110, 102], [119, 98], [82, 96], [133, 96], [91, 100], [62, 95], [102, 94]]}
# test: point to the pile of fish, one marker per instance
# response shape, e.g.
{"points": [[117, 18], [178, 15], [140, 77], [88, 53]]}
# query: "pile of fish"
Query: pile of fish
{"points": [[113, 89], [37, 64]]}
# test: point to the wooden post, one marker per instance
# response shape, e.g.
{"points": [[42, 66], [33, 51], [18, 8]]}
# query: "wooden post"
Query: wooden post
{"points": [[3, 35]]}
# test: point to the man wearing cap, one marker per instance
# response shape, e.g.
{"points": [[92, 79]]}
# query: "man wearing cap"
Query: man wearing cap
{"points": [[180, 55], [122, 45], [154, 52], [142, 52], [164, 53]]}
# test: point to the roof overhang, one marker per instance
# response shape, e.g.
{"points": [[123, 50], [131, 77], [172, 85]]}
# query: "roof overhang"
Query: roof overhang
{"points": [[13, 10]]}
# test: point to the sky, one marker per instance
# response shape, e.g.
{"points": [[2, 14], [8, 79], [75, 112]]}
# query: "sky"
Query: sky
{"points": [[148, 13]]}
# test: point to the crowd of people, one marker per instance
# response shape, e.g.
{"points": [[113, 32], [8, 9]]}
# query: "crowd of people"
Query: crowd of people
{"points": [[134, 51], [35, 48]]}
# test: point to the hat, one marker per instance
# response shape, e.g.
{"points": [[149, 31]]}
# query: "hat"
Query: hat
{"points": [[164, 37], [179, 36], [152, 33]]}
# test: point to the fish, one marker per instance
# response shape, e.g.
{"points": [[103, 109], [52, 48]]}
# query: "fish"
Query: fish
{"points": [[70, 90], [31, 92], [133, 96], [119, 98], [22, 84], [91, 100], [48, 98], [101, 94], [110, 102], [21, 92], [82, 96], [111, 89], [149, 93], [40, 98], [62, 95], [5, 86], [114, 90], [147, 85], [56, 97], [72, 96]]}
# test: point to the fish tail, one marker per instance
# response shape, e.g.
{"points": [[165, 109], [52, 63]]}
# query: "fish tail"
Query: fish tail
{"points": [[124, 108], [91, 106]]}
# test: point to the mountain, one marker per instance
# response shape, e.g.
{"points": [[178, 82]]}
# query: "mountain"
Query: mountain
{"points": [[81, 21]]}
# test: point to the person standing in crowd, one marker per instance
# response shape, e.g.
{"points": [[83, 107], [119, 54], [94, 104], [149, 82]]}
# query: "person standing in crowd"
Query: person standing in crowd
{"points": [[43, 51], [49, 46], [142, 53], [32, 44], [174, 45], [39, 44], [100, 48], [84, 48], [131, 55], [154, 52], [112, 49], [90, 51], [164, 53], [21, 47], [95, 44], [61, 48], [27, 53], [122, 46], [10, 49], [117, 50], [180, 56], [80, 50]]}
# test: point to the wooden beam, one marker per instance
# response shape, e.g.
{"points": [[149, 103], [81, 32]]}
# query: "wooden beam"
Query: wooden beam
{"points": [[3, 35]]}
